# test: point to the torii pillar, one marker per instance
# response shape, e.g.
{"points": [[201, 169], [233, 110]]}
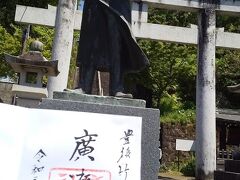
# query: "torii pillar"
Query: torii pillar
{"points": [[62, 44], [206, 98]]}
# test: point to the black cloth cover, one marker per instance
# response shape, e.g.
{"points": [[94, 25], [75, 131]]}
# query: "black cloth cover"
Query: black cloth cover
{"points": [[98, 44]]}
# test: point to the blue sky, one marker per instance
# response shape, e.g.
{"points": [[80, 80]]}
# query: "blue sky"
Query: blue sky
{"points": [[80, 6]]}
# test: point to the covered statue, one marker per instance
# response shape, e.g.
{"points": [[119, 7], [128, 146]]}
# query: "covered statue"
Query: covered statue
{"points": [[107, 44]]}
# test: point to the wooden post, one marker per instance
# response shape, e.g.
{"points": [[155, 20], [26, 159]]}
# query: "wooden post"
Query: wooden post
{"points": [[25, 37], [62, 44], [206, 118]]}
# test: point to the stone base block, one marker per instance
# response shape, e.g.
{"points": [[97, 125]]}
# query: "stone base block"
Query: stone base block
{"points": [[150, 128]]}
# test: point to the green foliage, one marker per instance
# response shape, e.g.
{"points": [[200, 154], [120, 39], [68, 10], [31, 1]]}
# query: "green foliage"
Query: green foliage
{"points": [[230, 23], [172, 66], [189, 168], [179, 116], [228, 71], [170, 103], [175, 18], [172, 167], [227, 74], [8, 44], [45, 35], [227, 61]]}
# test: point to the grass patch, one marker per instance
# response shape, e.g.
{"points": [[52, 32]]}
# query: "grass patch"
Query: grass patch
{"points": [[180, 116]]}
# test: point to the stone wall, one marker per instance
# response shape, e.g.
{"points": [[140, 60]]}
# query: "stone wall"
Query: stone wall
{"points": [[169, 134], [6, 92]]}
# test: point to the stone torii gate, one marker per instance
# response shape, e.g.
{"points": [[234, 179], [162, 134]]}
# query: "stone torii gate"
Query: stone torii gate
{"points": [[207, 37]]}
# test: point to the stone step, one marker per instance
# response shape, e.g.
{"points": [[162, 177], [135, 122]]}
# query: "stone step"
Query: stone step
{"points": [[225, 175], [232, 166]]}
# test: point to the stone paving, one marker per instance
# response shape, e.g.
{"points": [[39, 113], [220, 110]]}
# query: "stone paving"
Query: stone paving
{"points": [[173, 176]]}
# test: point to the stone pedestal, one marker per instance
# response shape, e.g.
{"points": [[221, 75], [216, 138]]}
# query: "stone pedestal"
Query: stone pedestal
{"points": [[108, 100], [28, 96], [118, 106]]}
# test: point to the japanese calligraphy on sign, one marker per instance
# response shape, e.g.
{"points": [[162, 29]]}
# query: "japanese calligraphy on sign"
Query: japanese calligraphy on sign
{"points": [[64, 145], [123, 161], [38, 167], [83, 148]]}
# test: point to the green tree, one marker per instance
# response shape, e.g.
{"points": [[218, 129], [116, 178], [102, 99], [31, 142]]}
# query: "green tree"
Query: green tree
{"points": [[8, 44], [173, 66]]}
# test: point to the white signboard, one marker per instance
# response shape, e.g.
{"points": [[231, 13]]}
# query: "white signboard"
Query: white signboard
{"points": [[185, 145], [62, 145]]}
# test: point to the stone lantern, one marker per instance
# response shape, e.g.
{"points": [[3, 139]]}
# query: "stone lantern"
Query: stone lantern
{"points": [[32, 67]]}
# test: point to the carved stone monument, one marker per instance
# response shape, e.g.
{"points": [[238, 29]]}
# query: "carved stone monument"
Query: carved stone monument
{"points": [[150, 143]]}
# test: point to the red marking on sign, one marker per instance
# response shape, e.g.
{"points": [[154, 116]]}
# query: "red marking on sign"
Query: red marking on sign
{"points": [[74, 173]]}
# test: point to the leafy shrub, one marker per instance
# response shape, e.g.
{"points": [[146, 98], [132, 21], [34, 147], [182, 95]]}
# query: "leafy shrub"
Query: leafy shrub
{"points": [[189, 168], [179, 116], [169, 103]]}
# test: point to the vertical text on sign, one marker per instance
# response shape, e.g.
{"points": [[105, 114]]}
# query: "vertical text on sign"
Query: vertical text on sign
{"points": [[125, 154]]}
